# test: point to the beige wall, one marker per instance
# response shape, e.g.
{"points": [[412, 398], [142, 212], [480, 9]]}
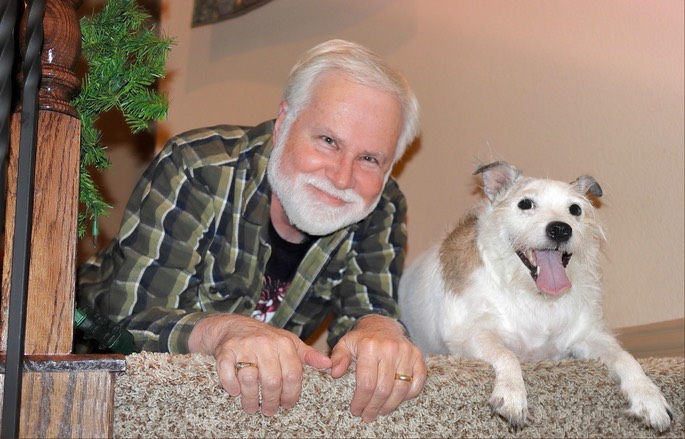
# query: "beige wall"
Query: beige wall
{"points": [[559, 88]]}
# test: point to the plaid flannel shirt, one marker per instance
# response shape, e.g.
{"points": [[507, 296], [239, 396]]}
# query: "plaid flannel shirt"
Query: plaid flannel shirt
{"points": [[193, 242]]}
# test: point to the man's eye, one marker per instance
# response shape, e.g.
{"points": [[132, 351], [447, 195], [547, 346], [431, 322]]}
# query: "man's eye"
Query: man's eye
{"points": [[370, 159], [328, 140]]}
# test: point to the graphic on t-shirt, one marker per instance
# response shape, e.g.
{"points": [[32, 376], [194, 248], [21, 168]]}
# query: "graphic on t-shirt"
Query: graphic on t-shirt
{"points": [[271, 296]]}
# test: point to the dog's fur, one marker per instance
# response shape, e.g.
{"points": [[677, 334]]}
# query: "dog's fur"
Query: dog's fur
{"points": [[475, 295]]}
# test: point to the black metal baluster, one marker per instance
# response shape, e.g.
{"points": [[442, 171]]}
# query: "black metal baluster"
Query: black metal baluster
{"points": [[31, 69]]}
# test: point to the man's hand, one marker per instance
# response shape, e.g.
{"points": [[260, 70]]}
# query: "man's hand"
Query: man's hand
{"points": [[381, 351], [278, 354]]}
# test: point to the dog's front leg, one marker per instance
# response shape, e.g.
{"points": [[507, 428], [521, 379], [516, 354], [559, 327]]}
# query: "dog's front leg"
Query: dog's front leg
{"points": [[645, 400], [508, 398]]}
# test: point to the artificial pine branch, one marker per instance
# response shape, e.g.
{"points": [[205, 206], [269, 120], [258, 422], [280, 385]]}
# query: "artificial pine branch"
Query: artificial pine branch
{"points": [[125, 59]]}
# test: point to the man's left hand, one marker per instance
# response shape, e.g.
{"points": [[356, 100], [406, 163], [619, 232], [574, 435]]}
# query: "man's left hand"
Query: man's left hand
{"points": [[390, 368]]}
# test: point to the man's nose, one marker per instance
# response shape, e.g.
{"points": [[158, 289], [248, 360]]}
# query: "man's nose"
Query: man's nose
{"points": [[340, 172]]}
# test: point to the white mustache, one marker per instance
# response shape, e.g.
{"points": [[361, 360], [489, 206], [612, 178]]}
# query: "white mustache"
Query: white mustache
{"points": [[346, 195]]}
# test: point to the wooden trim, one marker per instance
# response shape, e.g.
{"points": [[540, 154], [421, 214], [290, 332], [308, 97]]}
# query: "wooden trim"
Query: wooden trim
{"points": [[67, 396], [661, 339], [68, 363], [73, 404]]}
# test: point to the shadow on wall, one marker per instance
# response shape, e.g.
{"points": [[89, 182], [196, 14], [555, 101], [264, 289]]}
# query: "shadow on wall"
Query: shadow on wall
{"points": [[221, 63]]}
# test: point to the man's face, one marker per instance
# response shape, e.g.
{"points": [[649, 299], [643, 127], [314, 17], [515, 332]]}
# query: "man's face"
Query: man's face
{"points": [[328, 168]]}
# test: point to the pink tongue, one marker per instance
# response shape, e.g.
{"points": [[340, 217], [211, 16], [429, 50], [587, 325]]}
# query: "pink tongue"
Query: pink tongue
{"points": [[552, 277]]}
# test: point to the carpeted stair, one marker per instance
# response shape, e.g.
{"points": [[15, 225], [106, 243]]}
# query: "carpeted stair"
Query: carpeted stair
{"points": [[162, 395]]}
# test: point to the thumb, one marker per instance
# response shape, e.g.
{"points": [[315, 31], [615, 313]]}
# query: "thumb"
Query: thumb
{"points": [[312, 357], [341, 357]]}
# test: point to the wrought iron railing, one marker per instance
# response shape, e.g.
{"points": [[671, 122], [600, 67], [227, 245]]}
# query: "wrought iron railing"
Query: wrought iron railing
{"points": [[30, 51]]}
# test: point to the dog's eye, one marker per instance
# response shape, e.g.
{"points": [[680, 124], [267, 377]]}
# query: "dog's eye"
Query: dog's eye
{"points": [[525, 204], [575, 210]]}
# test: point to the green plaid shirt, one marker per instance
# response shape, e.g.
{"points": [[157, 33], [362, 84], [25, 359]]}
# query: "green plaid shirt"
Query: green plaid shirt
{"points": [[194, 242]]}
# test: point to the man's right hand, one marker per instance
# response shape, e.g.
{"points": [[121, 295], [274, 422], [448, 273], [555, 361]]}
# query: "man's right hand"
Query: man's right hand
{"points": [[278, 356]]}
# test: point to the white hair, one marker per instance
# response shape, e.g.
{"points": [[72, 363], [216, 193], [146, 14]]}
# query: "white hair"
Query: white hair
{"points": [[359, 65]]}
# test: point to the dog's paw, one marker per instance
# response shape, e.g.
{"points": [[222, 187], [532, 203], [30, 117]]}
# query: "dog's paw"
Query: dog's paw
{"points": [[511, 403], [647, 403]]}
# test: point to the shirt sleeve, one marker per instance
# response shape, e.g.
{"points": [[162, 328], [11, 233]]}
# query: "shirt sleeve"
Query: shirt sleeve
{"points": [[374, 266], [148, 277]]}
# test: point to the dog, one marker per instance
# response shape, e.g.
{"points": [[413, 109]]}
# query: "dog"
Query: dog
{"points": [[518, 280]]}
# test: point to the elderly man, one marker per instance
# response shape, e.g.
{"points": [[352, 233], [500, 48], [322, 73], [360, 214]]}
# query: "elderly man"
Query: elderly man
{"points": [[238, 242]]}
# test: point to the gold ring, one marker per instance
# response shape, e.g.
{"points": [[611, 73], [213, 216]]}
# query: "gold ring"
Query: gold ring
{"points": [[243, 364], [406, 378]]}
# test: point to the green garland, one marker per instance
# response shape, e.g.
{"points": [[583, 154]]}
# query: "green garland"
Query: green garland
{"points": [[124, 61]]}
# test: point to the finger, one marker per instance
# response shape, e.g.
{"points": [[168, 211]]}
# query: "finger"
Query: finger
{"points": [[292, 372], [341, 358], [400, 390], [366, 378], [404, 390], [420, 375], [270, 378], [314, 358], [282, 385], [225, 368], [281, 374], [388, 391], [398, 359], [248, 379]]}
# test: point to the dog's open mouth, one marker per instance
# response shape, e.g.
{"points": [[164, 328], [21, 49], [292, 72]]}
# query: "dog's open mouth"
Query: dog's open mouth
{"points": [[548, 269]]}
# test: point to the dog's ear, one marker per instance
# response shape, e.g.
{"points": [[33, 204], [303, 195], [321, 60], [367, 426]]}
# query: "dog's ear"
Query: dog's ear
{"points": [[497, 176], [587, 184]]}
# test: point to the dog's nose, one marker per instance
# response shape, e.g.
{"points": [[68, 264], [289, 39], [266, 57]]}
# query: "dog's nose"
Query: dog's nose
{"points": [[559, 231]]}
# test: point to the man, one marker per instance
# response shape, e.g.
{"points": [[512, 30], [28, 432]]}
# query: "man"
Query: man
{"points": [[238, 242]]}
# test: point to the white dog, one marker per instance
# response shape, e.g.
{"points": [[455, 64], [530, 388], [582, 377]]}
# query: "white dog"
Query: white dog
{"points": [[518, 280]]}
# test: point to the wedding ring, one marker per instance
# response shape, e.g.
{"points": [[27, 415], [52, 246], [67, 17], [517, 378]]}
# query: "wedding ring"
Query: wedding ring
{"points": [[406, 378], [243, 364]]}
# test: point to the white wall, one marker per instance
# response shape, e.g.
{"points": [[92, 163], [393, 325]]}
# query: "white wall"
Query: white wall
{"points": [[559, 88]]}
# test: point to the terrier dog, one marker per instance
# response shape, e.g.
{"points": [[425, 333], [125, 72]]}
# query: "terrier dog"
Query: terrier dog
{"points": [[517, 280]]}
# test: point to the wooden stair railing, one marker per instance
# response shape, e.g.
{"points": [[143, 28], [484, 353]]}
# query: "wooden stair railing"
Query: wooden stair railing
{"points": [[63, 395]]}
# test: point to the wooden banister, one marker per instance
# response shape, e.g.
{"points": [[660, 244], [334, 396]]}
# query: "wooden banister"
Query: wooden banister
{"points": [[63, 395]]}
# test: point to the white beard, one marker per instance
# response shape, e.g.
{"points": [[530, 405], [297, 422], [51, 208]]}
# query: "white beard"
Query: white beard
{"points": [[306, 211]]}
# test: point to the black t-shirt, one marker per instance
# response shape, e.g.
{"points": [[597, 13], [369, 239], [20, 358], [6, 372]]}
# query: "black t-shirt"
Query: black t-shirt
{"points": [[285, 258]]}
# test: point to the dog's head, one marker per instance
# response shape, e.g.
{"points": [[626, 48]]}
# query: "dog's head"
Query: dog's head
{"points": [[543, 222]]}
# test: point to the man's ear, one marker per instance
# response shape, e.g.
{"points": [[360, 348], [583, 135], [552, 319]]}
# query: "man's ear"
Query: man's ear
{"points": [[282, 113]]}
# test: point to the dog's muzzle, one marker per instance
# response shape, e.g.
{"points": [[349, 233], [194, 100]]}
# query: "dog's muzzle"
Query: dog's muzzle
{"points": [[548, 266]]}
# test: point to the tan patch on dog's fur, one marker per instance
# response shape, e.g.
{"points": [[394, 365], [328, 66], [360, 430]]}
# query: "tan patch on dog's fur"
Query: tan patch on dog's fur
{"points": [[459, 254]]}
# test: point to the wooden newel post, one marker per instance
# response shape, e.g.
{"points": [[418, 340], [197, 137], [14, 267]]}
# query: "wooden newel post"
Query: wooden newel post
{"points": [[50, 302], [63, 395]]}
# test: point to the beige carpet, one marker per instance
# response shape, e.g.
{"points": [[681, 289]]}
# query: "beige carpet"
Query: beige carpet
{"points": [[163, 395]]}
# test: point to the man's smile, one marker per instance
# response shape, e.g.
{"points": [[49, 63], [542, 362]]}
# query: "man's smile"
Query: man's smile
{"points": [[327, 197]]}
